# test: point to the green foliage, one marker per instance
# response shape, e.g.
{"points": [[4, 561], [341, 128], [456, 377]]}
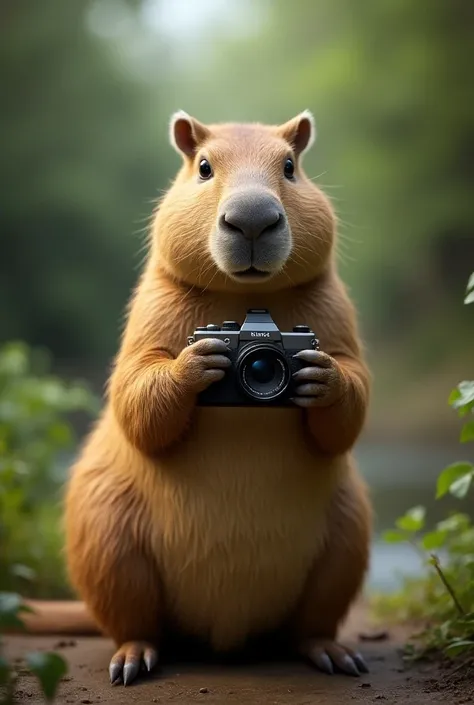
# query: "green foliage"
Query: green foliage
{"points": [[11, 607], [35, 433], [48, 667], [35, 430], [413, 520], [455, 478], [443, 598]]}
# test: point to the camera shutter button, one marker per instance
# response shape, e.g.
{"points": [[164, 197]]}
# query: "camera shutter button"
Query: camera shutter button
{"points": [[212, 326], [230, 325], [301, 329]]}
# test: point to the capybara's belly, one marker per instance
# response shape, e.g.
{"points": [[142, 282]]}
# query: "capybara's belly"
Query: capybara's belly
{"points": [[241, 510]]}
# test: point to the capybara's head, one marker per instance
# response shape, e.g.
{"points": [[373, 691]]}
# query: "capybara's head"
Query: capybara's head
{"points": [[241, 214]]}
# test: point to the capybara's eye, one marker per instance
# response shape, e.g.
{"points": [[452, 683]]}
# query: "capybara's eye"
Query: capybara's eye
{"points": [[205, 171], [289, 168]]}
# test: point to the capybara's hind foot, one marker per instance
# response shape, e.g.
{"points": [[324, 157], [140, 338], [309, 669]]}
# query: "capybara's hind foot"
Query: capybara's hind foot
{"points": [[132, 656], [325, 654]]}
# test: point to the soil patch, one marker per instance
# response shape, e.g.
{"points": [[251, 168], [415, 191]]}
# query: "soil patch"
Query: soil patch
{"points": [[287, 683]]}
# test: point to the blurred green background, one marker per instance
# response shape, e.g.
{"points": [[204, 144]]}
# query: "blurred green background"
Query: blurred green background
{"points": [[86, 94]]}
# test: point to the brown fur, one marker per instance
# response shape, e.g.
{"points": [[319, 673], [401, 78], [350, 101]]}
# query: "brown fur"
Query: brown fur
{"points": [[223, 522]]}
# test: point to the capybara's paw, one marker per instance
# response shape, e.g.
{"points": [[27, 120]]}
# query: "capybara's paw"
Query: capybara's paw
{"points": [[132, 657], [322, 383], [202, 363], [326, 655]]}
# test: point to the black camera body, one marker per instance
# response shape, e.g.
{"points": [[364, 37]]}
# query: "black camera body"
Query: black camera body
{"points": [[263, 361]]}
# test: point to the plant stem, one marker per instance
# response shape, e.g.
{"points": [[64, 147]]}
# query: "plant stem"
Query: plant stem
{"points": [[437, 567]]}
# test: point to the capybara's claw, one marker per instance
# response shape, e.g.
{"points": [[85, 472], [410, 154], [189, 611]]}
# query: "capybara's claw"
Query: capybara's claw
{"points": [[327, 654], [125, 664]]}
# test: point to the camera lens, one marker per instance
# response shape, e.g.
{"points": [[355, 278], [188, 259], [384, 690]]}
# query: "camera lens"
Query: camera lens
{"points": [[262, 372]]}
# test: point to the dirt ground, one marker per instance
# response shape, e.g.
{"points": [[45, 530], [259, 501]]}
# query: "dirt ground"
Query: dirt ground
{"points": [[265, 683]]}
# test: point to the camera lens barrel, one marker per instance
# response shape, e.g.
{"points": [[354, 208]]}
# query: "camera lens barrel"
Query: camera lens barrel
{"points": [[263, 372]]}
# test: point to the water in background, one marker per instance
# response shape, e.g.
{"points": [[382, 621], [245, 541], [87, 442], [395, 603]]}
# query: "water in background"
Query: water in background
{"points": [[401, 477]]}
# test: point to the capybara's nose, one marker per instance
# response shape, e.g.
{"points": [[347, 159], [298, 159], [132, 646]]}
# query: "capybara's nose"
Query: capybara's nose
{"points": [[251, 214]]}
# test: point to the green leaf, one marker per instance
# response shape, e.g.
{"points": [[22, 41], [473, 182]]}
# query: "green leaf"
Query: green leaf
{"points": [[456, 522], [469, 299], [454, 396], [460, 488], [394, 536], [10, 608], [413, 520], [467, 432], [450, 475], [9, 602], [23, 571], [465, 395], [460, 646], [49, 669], [466, 390], [433, 539], [470, 283], [467, 620], [14, 360]]}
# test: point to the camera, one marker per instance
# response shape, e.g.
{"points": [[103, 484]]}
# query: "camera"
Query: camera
{"points": [[262, 357]]}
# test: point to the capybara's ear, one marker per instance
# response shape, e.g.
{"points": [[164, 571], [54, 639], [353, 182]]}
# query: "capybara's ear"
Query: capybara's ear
{"points": [[300, 132], [187, 133]]}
